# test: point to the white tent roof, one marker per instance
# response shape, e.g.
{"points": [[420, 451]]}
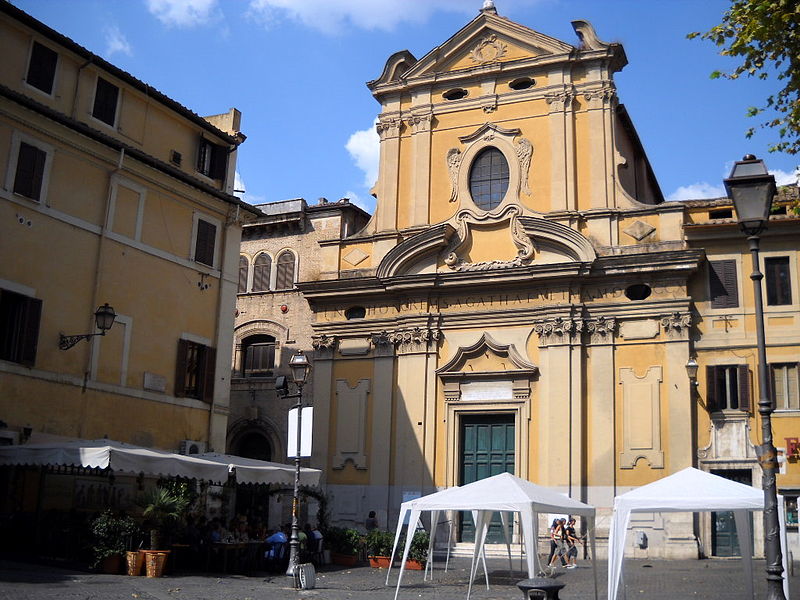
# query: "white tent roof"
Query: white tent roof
{"points": [[119, 456], [689, 490]]}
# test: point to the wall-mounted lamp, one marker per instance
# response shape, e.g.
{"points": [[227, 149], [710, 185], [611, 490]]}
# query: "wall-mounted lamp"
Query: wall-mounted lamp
{"points": [[103, 317], [691, 370]]}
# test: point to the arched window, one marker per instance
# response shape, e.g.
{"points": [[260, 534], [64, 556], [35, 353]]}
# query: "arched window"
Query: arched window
{"points": [[244, 265], [261, 269], [258, 355], [488, 178], [284, 278]]}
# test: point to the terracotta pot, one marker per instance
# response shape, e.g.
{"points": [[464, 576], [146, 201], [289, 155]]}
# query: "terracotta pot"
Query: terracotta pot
{"points": [[135, 562], [379, 562], [346, 560], [111, 564], [414, 565]]}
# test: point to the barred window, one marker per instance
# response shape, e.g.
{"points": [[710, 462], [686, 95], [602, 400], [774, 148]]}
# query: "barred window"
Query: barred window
{"points": [[488, 178]]}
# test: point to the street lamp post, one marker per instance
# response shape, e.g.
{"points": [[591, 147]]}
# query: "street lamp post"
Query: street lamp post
{"points": [[300, 368], [752, 189]]}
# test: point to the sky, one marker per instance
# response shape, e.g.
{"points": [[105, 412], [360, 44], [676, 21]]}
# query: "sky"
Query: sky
{"points": [[297, 71]]}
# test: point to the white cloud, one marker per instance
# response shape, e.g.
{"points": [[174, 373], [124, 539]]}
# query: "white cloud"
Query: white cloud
{"points": [[331, 16], [116, 42], [183, 13], [697, 191], [367, 204], [784, 178], [364, 148]]}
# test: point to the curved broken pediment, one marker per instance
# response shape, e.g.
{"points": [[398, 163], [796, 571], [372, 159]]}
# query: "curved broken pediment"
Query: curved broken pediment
{"points": [[396, 66], [486, 344], [407, 253]]}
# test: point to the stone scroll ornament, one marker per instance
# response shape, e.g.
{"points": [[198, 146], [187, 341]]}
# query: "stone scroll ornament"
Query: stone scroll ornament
{"points": [[453, 163], [525, 246]]}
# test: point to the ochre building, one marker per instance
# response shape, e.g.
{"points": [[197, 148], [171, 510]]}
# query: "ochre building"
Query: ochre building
{"points": [[524, 300]]}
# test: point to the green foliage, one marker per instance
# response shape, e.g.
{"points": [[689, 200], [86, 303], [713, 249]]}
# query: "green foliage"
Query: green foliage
{"points": [[344, 541], [379, 543], [161, 506], [111, 535], [419, 546], [765, 35]]}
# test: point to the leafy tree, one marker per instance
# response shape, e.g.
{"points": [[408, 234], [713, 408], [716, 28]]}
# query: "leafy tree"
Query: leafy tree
{"points": [[765, 34]]}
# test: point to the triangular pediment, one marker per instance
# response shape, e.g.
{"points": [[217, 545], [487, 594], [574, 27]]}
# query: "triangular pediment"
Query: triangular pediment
{"points": [[487, 39]]}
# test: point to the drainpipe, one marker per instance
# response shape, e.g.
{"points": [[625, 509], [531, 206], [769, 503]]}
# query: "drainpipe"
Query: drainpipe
{"points": [[77, 86]]}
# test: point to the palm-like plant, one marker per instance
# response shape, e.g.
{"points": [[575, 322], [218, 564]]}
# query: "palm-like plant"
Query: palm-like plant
{"points": [[160, 506]]}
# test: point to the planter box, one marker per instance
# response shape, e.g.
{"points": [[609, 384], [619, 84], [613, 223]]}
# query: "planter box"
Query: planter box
{"points": [[414, 565], [379, 562], [346, 560]]}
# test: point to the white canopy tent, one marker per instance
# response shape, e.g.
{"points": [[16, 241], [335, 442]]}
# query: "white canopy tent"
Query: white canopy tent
{"points": [[502, 493], [690, 490], [127, 458]]}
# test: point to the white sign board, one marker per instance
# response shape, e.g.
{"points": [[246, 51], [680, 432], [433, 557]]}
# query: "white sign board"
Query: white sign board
{"points": [[307, 422]]}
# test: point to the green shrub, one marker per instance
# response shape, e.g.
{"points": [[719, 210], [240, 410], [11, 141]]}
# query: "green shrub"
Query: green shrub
{"points": [[344, 541], [419, 546], [379, 543], [111, 535]]}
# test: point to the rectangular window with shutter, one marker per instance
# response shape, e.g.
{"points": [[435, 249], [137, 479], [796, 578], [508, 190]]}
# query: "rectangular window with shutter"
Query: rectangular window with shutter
{"points": [[205, 242], [106, 96], [42, 68], [778, 280], [19, 327], [29, 175], [784, 380], [728, 388], [194, 371], [212, 160], [723, 284]]}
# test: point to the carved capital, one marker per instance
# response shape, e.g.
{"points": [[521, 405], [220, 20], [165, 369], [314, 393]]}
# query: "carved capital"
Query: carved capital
{"points": [[560, 100], [601, 329], [324, 345], [603, 94], [382, 343], [415, 339], [677, 324], [420, 123], [558, 330], [388, 127]]}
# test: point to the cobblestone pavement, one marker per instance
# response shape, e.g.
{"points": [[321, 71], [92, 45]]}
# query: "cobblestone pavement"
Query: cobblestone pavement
{"points": [[651, 580]]}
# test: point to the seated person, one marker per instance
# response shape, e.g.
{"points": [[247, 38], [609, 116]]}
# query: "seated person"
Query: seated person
{"points": [[275, 545]]}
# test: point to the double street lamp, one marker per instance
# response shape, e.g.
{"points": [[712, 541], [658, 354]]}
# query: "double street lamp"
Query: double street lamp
{"points": [[300, 368], [752, 189]]}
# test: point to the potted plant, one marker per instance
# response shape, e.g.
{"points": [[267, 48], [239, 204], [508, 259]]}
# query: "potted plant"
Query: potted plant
{"points": [[160, 507], [344, 545], [379, 546], [418, 553], [112, 537]]}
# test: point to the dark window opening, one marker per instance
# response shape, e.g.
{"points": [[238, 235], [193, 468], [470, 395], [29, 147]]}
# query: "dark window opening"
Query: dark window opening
{"points": [[19, 327], [778, 210], [355, 312], [42, 68], [212, 160], [205, 242], [244, 266], [261, 272], [778, 280], [455, 94], [523, 83], [30, 171], [723, 284], [284, 273], [175, 158], [728, 388], [722, 213], [488, 178], [258, 356], [194, 371], [638, 291], [105, 101]]}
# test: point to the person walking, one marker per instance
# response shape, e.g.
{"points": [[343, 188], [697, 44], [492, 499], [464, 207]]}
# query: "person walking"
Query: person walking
{"points": [[558, 536], [572, 540]]}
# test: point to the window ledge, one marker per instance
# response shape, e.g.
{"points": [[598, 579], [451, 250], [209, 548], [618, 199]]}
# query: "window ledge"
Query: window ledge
{"points": [[786, 412]]}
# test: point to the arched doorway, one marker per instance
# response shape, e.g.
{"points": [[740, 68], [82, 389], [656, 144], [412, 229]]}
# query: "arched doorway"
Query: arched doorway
{"points": [[253, 444]]}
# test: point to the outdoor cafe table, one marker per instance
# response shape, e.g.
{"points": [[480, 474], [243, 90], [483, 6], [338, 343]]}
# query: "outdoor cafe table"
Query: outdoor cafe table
{"points": [[238, 551]]}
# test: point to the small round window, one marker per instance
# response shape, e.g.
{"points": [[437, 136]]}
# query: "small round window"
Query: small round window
{"points": [[488, 178], [355, 312], [523, 83], [638, 291], [455, 94]]}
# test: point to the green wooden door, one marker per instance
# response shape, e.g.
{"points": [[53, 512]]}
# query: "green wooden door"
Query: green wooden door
{"points": [[724, 539], [487, 449]]}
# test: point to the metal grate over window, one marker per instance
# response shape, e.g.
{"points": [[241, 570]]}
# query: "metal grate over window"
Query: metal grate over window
{"points": [[488, 179]]}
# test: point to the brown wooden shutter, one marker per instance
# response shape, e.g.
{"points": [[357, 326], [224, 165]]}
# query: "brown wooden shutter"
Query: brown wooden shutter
{"points": [[284, 276], [219, 162], [180, 368], [711, 389], [723, 284], [243, 271], [774, 386], [204, 244], [261, 272], [30, 171], [209, 359], [743, 377], [30, 331]]}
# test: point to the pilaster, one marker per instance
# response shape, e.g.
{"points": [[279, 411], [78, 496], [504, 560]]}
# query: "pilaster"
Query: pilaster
{"points": [[388, 127], [322, 373]]}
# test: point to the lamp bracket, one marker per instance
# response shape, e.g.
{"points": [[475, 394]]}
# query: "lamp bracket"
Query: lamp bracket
{"points": [[65, 342]]}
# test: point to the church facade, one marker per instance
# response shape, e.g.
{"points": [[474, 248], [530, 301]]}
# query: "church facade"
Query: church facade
{"points": [[524, 300]]}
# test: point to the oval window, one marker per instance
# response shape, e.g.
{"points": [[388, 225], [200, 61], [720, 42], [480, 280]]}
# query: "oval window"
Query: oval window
{"points": [[637, 291], [523, 83], [355, 312], [455, 94], [488, 178]]}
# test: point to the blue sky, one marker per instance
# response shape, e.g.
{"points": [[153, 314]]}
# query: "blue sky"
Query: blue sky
{"points": [[296, 69]]}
